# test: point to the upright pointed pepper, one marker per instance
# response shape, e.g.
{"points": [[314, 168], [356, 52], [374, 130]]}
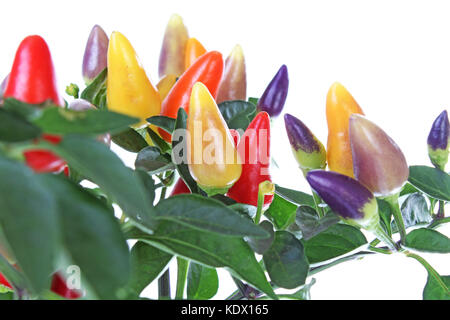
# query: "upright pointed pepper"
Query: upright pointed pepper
{"points": [[194, 50], [233, 85], [254, 151], [165, 85], [180, 188], [274, 97], [307, 149], [208, 70], [213, 160], [171, 58], [32, 80], [95, 54], [439, 141], [340, 106], [348, 198], [129, 90]]}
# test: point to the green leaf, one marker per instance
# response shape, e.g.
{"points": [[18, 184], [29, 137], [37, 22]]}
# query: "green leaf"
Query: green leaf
{"points": [[150, 159], [243, 209], [295, 196], [207, 214], [14, 128], [237, 113], [253, 100], [384, 210], [130, 140], [333, 242], [415, 210], [434, 290], [262, 245], [407, 189], [92, 236], [286, 262], [310, 224], [158, 141], [22, 109], [103, 167], [211, 249], [281, 212], [431, 181], [147, 263], [428, 240], [202, 282], [166, 123], [57, 120], [304, 293], [29, 223], [95, 87]]}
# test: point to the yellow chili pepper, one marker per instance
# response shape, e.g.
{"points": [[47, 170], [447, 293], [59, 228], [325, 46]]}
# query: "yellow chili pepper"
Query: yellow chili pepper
{"points": [[129, 90], [340, 106], [212, 156], [165, 84], [194, 49]]}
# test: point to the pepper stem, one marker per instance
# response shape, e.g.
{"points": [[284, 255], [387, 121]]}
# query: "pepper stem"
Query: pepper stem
{"points": [[265, 188], [397, 213], [441, 211], [382, 235]]}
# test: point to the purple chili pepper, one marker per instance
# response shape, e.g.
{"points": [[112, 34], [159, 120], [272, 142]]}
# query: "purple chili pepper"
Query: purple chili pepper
{"points": [[95, 54], [438, 141], [273, 99]]}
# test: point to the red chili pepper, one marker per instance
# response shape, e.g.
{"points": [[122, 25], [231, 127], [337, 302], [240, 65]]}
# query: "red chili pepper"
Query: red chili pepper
{"points": [[180, 188], [4, 282], [208, 70], [59, 287], [32, 80], [254, 150]]}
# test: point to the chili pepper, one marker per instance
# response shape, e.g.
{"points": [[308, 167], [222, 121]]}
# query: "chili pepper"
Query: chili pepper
{"points": [[208, 70], [3, 86], [307, 149], [32, 78], [378, 163], [233, 85], [129, 91], [213, 160], [439, 141], [236, 137], [194, 49], [80, 105], [165, 85], [4, 282], [180, 188], [171, 58], [95, 54], [254, 151], [274, 97], [340, 106], [60, 287]]}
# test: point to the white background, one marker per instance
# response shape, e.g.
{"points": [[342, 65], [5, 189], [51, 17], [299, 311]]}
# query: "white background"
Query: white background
{"points": [[394, 57]]}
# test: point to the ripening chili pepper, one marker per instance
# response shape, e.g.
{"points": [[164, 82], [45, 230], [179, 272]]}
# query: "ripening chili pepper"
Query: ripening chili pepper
{"points": [[233, 85], [194, 50], [274, 97], [307, 149], [213, 160], [208, 70], [4, 282], [439, 141], [32, 80], [165, 85], [378, 163], [60, 287], [340, 106], [95, 54], [254, 151], [180, 188], [172, 56], [129, 90]]}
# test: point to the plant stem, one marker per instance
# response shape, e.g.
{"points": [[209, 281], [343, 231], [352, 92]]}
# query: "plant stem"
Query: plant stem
{"points": [[441, 211], [397, 213], [380, 250], [164, 279], [183, 265], [317, 202], [358, 255], [163, 193], [259, 208], [14, 277], [431, 271], [241, 286], [382, 235], [438, 222]]}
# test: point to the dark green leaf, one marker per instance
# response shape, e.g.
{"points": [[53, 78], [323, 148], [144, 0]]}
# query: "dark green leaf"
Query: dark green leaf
{"points": [[407, 189], [150, 159], [384, 210], [237, 113], [166, 123], [149, 185], [56, 120], [91, 236], [130, 140], [295, 196], [158, 141], [310, 224], [95, 88], [281, 212], [415, 210], [22, 109], [304, 293], [431, 181], [428, 240], [103, 167], [333, 242], [434, 290], [29, 223], [147, 263], [253, 100], [243, 209], [286, 262], [211, 249], [14, 128], [207, 214], [262, 245], [202, 282]]}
